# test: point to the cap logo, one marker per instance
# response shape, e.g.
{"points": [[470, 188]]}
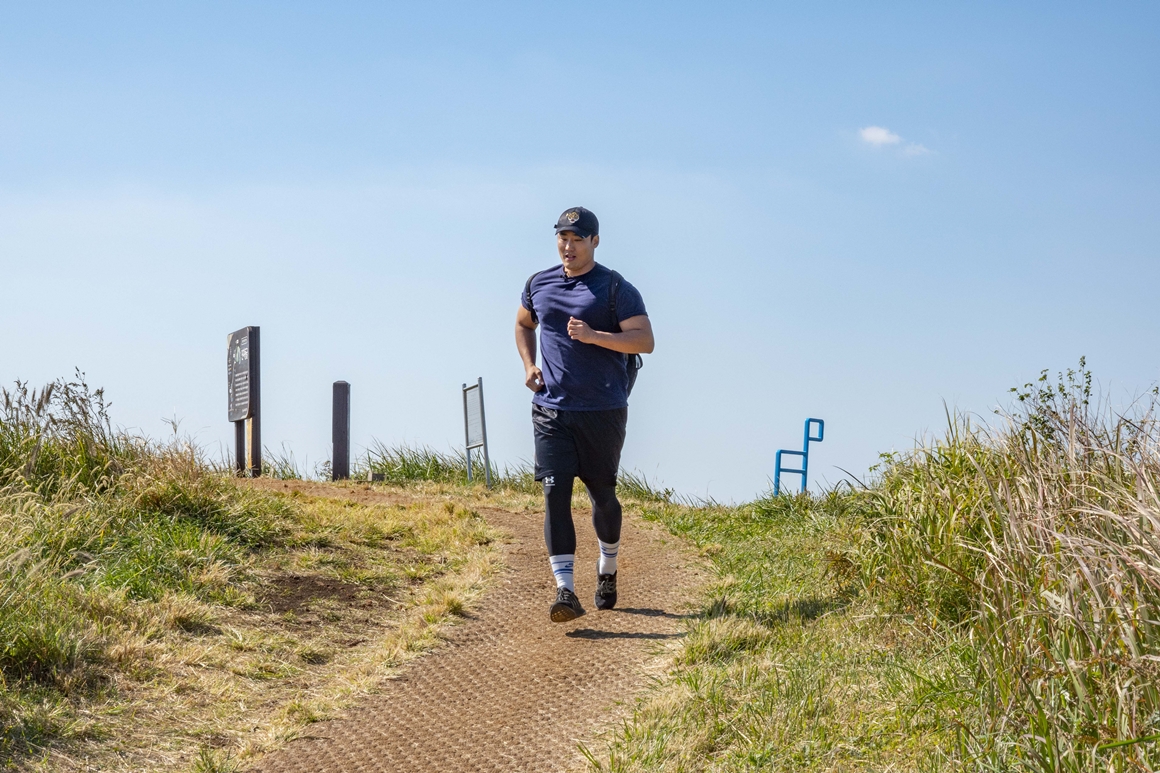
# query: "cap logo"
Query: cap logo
{"points": [[572, 216]]}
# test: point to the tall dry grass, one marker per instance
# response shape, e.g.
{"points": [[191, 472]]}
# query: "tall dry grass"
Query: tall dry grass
{"points": [[1033, 547]]}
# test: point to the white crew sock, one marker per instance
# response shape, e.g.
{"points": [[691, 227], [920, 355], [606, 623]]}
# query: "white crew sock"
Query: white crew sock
{"points": [[562, 567], [608, 554]]}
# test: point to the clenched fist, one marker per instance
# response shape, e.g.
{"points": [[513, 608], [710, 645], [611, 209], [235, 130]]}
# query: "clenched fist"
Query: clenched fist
{"points": [[578, 330], [534, 379]]}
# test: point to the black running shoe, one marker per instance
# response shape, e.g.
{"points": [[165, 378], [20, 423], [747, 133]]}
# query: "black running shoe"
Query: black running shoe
{"points": [[605, 591], [567, 606]]}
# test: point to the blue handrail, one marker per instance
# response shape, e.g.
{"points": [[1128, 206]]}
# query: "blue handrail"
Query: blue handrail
{"points": [[804, 454]]}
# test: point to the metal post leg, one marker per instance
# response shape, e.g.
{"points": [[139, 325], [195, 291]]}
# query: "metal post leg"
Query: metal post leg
{"points": [[240, 446]]}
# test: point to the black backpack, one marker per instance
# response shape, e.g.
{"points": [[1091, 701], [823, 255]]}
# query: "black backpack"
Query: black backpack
{"points": [[632, 362]]}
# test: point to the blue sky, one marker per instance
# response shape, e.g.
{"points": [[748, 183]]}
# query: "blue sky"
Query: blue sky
{"points": [[838, 210]]}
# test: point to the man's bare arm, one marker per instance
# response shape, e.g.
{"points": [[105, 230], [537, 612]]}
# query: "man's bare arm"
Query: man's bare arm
{"points": [[526, 346], [635, 336]]}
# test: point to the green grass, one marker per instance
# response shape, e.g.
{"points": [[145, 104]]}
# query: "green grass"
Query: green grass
{"points": [[786, 668]]}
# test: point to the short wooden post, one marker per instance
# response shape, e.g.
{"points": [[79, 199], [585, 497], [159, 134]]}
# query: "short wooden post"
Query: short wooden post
{"points": [[340, 432]]}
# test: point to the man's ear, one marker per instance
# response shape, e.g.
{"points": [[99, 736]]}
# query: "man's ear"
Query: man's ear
{"points": [[595, 241]]}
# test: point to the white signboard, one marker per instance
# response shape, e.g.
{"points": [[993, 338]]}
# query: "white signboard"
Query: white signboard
{"points": [[475, 426], [474, 397]]}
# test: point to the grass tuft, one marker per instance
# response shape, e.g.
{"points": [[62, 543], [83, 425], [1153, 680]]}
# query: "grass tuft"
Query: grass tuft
{"points": [[408, 464], [215, 761], [400, 465]]}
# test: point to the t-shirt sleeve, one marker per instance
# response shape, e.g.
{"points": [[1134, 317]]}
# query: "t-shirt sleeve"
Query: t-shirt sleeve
{"points": [[629, 303]]}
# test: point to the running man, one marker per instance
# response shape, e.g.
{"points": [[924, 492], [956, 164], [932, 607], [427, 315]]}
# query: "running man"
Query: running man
{"points": [[580, 406]]}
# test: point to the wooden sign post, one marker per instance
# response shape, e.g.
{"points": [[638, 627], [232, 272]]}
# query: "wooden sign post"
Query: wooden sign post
{"points": [[243, 370], [340, 432]]}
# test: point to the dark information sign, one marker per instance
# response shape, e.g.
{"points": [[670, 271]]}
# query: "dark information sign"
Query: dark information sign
{"points": [[241, 368]]}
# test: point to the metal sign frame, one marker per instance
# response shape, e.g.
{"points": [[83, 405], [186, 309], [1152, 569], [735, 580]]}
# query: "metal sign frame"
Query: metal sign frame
{"points": [[244, 367], [804, 454], [478, 440]]}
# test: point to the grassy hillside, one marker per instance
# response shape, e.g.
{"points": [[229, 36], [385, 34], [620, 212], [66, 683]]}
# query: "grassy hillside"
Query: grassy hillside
{"points": [[789, 667], [151, 607], [991, 601], [92, 524]]}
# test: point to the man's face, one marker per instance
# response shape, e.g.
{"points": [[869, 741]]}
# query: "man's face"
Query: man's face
{"points": [[576, 252]]}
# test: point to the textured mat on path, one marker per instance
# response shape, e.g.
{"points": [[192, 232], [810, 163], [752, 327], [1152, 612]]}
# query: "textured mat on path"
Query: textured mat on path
{"points": [[510, 690]]}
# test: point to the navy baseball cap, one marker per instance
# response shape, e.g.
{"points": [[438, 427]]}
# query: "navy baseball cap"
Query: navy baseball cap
{"points": [[578, 220]]}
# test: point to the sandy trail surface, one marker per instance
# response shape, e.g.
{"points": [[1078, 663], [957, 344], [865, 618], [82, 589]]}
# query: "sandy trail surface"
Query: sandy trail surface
{"points": [[510, 690]]}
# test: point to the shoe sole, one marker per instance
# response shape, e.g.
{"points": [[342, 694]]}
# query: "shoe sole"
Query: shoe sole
{"points": [[562, 613]]}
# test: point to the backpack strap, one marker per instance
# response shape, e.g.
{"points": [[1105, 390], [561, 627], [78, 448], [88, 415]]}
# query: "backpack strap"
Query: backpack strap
{"points": [[613, 292], [528, 299], [633, 362]]}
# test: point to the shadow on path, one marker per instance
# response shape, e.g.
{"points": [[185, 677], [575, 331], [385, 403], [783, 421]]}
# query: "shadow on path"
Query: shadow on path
{"points": [[592, 633]]}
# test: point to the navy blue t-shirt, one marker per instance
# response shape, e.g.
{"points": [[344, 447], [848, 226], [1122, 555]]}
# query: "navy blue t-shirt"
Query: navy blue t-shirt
{"points": [[579, 376]]}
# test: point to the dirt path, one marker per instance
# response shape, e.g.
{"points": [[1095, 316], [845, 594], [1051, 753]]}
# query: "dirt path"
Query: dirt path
{"points": [[512, 691]]}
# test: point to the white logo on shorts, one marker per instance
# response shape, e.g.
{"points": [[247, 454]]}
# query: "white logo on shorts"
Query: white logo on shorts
{"points": [[550, 480]]}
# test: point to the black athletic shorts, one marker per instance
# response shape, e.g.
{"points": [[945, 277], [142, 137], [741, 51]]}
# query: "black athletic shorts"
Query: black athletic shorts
{"points": [[584, 444]]}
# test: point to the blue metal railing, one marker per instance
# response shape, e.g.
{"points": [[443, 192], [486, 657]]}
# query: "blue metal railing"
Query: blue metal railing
{"points": [[804, 454]]}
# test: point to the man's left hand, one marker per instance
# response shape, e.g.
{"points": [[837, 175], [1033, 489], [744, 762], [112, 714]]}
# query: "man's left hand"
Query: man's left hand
{"points": [[578, 330]]}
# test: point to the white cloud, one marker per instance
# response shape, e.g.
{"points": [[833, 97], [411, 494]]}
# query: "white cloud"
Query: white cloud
{"points": [[877, 135], [880, 136]]}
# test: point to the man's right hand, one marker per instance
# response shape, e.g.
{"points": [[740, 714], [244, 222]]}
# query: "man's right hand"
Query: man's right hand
{"points": [[535, 379]]}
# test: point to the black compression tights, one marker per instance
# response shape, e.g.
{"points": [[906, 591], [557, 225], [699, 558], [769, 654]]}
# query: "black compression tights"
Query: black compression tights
{"points": [[560, 533]]}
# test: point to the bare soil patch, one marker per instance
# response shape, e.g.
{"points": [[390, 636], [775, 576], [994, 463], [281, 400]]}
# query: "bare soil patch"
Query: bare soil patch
{"points": [[295, 592]]}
